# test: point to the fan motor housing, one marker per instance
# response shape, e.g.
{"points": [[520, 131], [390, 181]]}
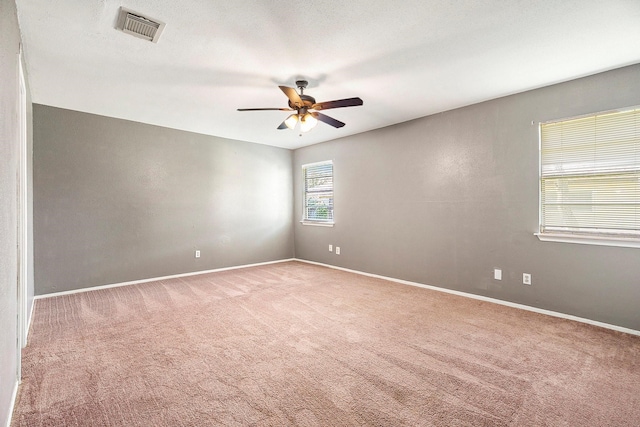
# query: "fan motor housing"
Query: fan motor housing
{"points": [[306, 99]]}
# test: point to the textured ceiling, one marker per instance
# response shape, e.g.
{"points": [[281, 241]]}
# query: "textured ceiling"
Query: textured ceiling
{"points": [[405, 59]]}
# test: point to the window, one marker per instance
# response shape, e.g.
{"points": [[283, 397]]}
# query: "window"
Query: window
{"points": [[318, 193], [590, 179]]}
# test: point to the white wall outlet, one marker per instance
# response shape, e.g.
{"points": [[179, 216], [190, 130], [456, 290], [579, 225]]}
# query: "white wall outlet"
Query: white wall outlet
{"points": [[330, 248], [197, 254], [337, 250], [526, 278], [497, 274]]}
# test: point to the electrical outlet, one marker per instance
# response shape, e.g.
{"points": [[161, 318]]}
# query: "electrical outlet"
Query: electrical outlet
{"points": [[497, 274], [526, 278], [197, 254], [330, 248], [337, 250]]}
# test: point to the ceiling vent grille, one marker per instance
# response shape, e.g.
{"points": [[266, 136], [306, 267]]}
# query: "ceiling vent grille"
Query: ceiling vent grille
{"points": [[138, 25]]}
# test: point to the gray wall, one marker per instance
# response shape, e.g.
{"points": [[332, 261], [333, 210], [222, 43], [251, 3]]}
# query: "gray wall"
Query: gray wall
{"points": [[9, 164], [117, 201], [444, 199]]}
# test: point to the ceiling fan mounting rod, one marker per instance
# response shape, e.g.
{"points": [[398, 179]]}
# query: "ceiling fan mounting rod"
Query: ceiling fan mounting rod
{"points": [[302, 85]]}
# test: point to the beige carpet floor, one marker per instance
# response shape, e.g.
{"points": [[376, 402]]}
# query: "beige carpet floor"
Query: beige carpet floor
{"points": [[294, 344]]}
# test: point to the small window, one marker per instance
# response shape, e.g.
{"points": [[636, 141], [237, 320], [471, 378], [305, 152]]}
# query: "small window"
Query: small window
{"points": [[318, 193], [590, 176]]}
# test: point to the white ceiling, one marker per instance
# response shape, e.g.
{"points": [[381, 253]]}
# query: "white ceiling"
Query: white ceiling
{"points": [[405, 59]]}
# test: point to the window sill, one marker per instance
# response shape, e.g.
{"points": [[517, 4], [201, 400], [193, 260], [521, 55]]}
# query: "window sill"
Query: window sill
{"points": [[317, 223], [624, 242]]}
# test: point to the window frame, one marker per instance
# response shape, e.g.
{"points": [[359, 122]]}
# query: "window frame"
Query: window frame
{"points": [[582, 236], [312, 221]]}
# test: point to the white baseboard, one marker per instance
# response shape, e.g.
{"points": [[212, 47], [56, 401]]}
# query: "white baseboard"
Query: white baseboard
{"points": [[29, 319], [487, 299], [404, 282], [155, 279], [12, 404]]}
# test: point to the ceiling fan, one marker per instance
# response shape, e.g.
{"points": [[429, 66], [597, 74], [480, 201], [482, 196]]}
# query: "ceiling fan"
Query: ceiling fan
{"points": [[304, 104]]}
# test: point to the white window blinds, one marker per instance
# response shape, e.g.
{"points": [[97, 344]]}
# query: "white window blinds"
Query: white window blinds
{"points": [[590, 175], [318, 192]]}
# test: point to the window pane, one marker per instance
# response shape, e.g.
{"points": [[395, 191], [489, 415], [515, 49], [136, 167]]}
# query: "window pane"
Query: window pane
{"points": [[320, 206], [590, 174], [318, 192]]}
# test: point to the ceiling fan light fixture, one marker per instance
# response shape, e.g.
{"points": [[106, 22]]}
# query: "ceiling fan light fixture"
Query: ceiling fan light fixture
{"points": [[307, 122], [291, 121]]}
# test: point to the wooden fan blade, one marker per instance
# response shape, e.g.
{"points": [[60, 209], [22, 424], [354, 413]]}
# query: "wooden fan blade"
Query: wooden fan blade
{"points": [[265, 109], [292, 95], [328, 120], [348, 102]]}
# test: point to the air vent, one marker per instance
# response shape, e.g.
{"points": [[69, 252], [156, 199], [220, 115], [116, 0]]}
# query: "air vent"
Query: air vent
{"points": [[139, 25]]}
